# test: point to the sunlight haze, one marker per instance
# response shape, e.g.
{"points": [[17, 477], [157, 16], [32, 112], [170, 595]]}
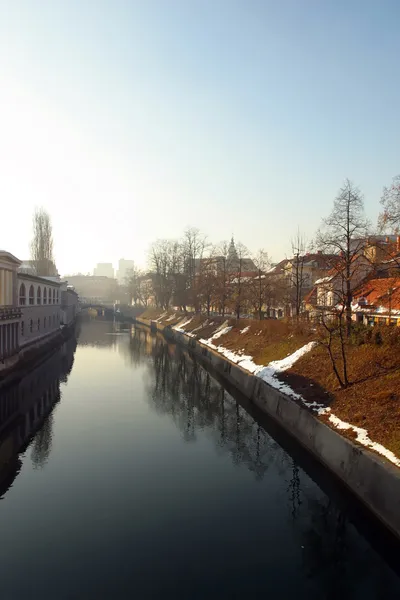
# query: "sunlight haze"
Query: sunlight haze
{"points": [[129, 121]]}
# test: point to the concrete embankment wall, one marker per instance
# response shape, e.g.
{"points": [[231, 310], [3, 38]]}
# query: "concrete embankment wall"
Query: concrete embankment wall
{"points": [[375, 481], [32, 355]]}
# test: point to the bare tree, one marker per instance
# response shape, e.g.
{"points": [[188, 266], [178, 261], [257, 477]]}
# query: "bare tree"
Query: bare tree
{"points": [[207, 286], [390, 200], [345, 232], [193, 246], [224, 276], [42, 244], [164, 262], [297, 276], [139, 286], [260, 285], [239, 282]]}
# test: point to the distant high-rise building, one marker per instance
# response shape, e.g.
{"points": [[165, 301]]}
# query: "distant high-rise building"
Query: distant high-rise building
{"points": [[104, 270], [124, 266]]}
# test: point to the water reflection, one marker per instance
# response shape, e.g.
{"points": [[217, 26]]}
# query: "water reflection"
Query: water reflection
{"points": [[334, 556], [163, 483], [26, 413]]}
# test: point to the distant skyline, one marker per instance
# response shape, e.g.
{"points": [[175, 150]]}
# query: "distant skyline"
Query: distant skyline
{"points": [[129, 120]]}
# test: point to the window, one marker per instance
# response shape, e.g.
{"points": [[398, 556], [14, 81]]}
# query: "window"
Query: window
{"points": [[45, 296], [44, 323], [54, 295], [49, 295], [38, 324], [57, 297], [22, 295], [22, 327], [39, 295], [31, 326], [31, 295]]}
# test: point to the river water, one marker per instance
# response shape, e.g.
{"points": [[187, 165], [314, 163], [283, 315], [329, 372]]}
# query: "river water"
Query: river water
{"points": [[127, 471]]}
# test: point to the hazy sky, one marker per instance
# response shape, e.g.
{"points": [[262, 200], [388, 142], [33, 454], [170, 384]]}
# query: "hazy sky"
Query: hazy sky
{"points": [[130, 120]]}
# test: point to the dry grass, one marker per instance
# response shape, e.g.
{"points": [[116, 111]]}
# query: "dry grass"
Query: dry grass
{"points": [[372, 401]]}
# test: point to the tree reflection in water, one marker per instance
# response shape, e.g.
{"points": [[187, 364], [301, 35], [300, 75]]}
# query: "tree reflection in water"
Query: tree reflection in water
{"points": [[179, 387]]}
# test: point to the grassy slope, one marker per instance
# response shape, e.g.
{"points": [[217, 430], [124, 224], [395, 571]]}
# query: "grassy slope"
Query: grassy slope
{"points": [[371, 402]]}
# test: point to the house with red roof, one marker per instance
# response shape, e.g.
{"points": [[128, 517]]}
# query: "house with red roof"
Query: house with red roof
{"points": [[377, 301]]}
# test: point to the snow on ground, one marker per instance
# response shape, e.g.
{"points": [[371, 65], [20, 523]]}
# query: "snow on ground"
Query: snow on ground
{"points": [[220, 332], [180, 326], [171, 318], [269, 374], [164, 314], [245, 330]]}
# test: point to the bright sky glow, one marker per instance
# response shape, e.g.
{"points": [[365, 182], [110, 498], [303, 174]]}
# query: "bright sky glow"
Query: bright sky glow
{"points": [[130, 120]]}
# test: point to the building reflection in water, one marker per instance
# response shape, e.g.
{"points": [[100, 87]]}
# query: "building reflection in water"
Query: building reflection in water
{"points": [[179, 387], [100, 332], [26, 418]]}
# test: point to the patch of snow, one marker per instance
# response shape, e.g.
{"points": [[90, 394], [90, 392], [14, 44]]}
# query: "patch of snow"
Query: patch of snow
{"points": [[245, 330], [364, 439], [180, 326], [324, 280], [220, 332], [288, 362], [201, 326], [268, 374], [171, 318], [161, 317]]}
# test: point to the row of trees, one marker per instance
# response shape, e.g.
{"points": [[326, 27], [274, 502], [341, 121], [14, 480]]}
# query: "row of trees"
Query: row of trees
{"points": [[191, 272]]}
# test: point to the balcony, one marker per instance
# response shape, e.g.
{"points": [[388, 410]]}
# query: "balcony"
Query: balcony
{"points": [[8, 313]]}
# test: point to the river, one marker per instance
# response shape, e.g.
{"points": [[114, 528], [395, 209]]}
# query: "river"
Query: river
{"points": [[127, 471]]}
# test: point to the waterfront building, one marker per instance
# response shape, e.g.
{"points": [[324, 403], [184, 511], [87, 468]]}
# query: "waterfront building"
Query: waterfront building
{"points": [[32, 309], [10, 312]]}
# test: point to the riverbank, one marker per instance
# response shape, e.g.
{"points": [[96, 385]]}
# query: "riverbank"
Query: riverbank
{"points": [[372, 478]]}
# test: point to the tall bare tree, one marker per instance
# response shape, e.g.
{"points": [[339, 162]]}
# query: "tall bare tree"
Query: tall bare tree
{"points": [[164, 261], [193, 246], [297, 275], [42, 243], [207, 285], [260, 285], [345, 232], [390, 200], [139, 286], [224, 276], [239, 283]]}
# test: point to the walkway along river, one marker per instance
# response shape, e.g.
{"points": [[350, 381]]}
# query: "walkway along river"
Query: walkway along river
{"points": [[127, 471]]}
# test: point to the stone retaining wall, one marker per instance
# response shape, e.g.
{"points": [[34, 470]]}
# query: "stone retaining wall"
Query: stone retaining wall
{"points": [[375, 481]]}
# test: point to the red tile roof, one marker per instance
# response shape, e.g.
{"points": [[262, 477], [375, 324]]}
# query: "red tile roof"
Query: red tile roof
{"points": [[380, 292]]}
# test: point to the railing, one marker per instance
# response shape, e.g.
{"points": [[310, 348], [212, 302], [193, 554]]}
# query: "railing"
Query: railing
{"points": [[9, 312]]}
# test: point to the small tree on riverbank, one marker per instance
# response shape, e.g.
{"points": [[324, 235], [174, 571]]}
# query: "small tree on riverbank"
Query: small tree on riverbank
{"points": [[345, 233]]}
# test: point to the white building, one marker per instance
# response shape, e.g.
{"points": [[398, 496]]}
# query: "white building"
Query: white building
{"points": [[104, 270], [32, 308], [124, 266], [39, 300]]}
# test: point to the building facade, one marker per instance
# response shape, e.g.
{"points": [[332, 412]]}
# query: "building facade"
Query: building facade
{"points": [[124, 268], [39, 300], [104, 270], [91, 289], [10, 312], [69, 304]]}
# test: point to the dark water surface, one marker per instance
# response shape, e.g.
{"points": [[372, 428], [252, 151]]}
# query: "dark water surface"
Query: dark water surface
{"points": [[127, 471]]}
